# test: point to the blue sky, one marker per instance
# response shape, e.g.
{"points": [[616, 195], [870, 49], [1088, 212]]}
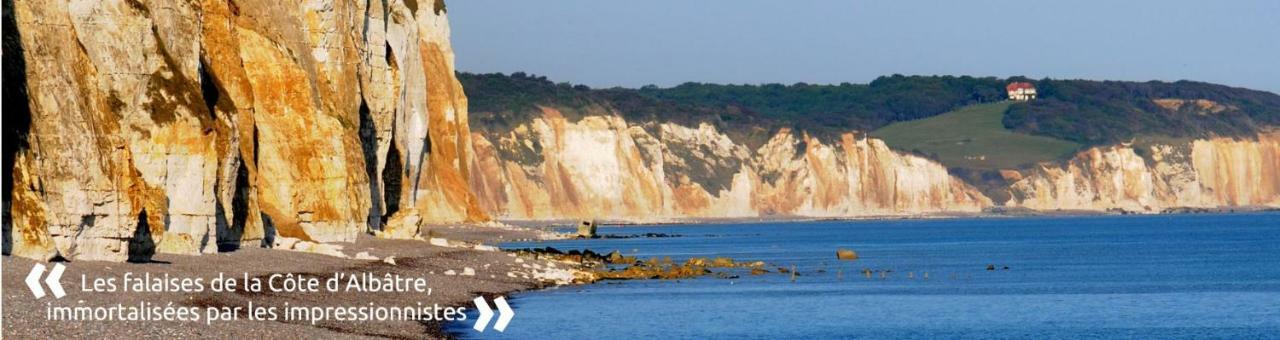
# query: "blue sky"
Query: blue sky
{"points": [[605, 43]]}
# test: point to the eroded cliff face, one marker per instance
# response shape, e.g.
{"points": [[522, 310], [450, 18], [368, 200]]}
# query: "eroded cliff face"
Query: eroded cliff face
{"points": [[855, 176], [602, 166], [206, 125], [191, 126], [1205, 173]]}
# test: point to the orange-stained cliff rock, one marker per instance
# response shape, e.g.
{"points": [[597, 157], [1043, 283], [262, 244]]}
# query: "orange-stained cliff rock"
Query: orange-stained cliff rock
{"points": [[857, 176], [195, 126], [207, 125], [587, 169], [602, 166], [1204, 173]]}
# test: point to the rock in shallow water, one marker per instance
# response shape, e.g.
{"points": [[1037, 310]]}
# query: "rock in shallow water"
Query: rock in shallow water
{"points": [[846, 254]]}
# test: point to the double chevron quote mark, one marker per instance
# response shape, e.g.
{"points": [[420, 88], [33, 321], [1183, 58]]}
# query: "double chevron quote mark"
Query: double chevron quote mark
{"points": [[55, 286], [504, 314]]}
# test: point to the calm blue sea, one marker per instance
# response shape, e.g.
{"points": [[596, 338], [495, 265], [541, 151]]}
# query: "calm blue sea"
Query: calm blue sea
{"points": [[1167, 276]]}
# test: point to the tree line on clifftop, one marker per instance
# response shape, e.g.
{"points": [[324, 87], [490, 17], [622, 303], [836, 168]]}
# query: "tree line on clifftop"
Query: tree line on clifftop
{"points": [[1084, 111]]}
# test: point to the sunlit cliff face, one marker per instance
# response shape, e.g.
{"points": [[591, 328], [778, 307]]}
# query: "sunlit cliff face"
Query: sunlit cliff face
{"points": [[195, 126], [602, 166], [1205, 173], [192, 126]]}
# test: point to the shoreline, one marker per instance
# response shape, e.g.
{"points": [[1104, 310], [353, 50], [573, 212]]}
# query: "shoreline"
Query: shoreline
{"points": [[469, 266], [496, 273], [1025, 265], [988, 213]]}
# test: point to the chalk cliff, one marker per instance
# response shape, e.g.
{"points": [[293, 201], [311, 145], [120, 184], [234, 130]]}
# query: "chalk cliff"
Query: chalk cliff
{"points": [[194, 126], [1202, 173], [601, 166], [137, 126], [594, 163]]}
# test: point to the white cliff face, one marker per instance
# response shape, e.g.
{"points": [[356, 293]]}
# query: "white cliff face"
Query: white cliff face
{"points": [[586, 169], [189, 126], [603, 167], [859, 176], [192, 126], [1205, 173], [1238, 172], [112, 133], [723, 182]]}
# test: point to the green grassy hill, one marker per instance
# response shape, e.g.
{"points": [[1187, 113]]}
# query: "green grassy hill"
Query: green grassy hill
{"points": [[973, 137], [957, 120]]}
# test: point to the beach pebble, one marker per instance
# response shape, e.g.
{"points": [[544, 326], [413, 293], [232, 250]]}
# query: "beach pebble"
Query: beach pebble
{"points": [[439, 242], [450, 272], [391, 260], [467, 271], [328, 249], [364, 255], [284, 243]]}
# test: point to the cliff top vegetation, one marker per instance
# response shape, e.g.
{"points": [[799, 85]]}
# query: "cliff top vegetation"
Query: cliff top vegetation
{"points": [[1082, 111]]}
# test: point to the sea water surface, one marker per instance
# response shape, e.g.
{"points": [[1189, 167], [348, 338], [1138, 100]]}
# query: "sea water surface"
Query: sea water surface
{"points": [[1165, 276]]}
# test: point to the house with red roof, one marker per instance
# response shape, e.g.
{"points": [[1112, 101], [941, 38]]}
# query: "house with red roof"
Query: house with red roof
{"points": [[1021, 91]]}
